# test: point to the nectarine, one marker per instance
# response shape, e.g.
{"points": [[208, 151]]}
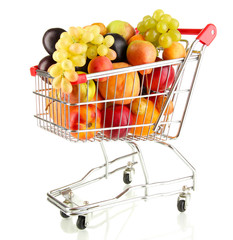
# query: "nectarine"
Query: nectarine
{"points": [[99, 64], [160, 79], [121, 86], [116, 116]]}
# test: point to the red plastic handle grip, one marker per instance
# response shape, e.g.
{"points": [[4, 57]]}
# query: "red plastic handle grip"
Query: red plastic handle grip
{"points": [[205, 35], [33, 70]]}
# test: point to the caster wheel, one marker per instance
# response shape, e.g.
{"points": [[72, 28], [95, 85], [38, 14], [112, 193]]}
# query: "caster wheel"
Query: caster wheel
{"points": [[81, 222], [127, 179], [181, 205], [64, 215]]}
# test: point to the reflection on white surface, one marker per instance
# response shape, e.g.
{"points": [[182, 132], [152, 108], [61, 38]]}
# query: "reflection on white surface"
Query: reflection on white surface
{"points": [[104, 222]]}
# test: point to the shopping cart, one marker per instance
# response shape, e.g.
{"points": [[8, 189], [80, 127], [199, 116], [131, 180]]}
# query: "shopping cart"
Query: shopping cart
{"points": [[94, 119]]}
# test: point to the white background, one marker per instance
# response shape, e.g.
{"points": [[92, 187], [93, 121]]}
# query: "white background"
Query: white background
{"points": [[34, 161]]}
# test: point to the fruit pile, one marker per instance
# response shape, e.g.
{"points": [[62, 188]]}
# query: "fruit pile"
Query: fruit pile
{"points": [[96, 48]]}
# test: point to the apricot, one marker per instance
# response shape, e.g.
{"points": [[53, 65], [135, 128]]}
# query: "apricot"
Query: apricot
{"points": [[150, 116], [141, 52], [136, 37], [139, 106], [176, 50], [122, 85], [99, 64], [160, 101], [103, 29]]}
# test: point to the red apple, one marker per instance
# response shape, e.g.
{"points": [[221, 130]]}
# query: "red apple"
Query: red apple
{"points": [[160, 79], [116, 117]]}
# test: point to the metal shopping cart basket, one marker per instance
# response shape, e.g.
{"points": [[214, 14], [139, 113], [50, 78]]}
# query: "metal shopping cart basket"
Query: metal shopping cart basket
{"points": [[111, 116]]}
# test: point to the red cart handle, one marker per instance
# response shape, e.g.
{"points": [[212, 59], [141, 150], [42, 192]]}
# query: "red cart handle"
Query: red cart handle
{"points": [[205, 35]]}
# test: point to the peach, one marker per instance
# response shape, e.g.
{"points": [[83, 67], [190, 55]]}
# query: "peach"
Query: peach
{"points": [[122, 85], [136, 37], [141, 52], [84, 118], [150, 116], [176, 50], [99, 64], [116, 116], [122, 28], [103, 29]]}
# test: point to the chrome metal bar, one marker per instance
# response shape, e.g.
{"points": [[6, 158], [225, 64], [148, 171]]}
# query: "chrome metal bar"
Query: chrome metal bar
{"points": [[184, 160], [146, 176], [191, 88], [116, 200], [174, 85], [106, 159]]}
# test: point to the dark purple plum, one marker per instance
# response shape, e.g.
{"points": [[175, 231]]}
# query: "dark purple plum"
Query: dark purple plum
{"points": [[50, 38], [120, 46], [45, 63]]}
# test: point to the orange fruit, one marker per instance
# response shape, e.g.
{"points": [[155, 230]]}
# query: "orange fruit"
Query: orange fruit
{"points": [[176, 50], [151, 115], [136, 37], [120, 86]]}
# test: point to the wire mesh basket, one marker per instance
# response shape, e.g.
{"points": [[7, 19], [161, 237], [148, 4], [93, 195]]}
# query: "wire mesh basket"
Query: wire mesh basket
{"points": [[128, 103]]}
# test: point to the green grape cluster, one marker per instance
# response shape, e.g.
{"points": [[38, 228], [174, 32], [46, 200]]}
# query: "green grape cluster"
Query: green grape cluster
{"points": [[159, 29], [72, 50]]}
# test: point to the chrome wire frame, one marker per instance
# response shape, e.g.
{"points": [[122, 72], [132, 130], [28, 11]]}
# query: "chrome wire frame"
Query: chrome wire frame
{"points": [[49, 119], [53, 113], [70, 207]]}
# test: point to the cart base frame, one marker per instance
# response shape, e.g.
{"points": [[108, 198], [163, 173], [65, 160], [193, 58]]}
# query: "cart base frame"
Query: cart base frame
{"points": [[69, 208]]}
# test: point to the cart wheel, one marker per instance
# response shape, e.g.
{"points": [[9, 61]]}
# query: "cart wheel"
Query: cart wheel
{"points": [[81, 222], [64, 215], [181, 205], [127, 178]]}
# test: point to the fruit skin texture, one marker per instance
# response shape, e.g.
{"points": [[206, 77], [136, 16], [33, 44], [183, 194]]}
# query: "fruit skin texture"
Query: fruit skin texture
{"points": [[45, 63], [120, 46], [141, 52], [75, 97], [50, 38], [122, 28], [166, 75], [139, 106], [121, 89], [61, 113], [103, 29], [151, 115], [176, 50], [136, 37], [84, 118], [160, 101], [99, 64], [116, 117]]}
